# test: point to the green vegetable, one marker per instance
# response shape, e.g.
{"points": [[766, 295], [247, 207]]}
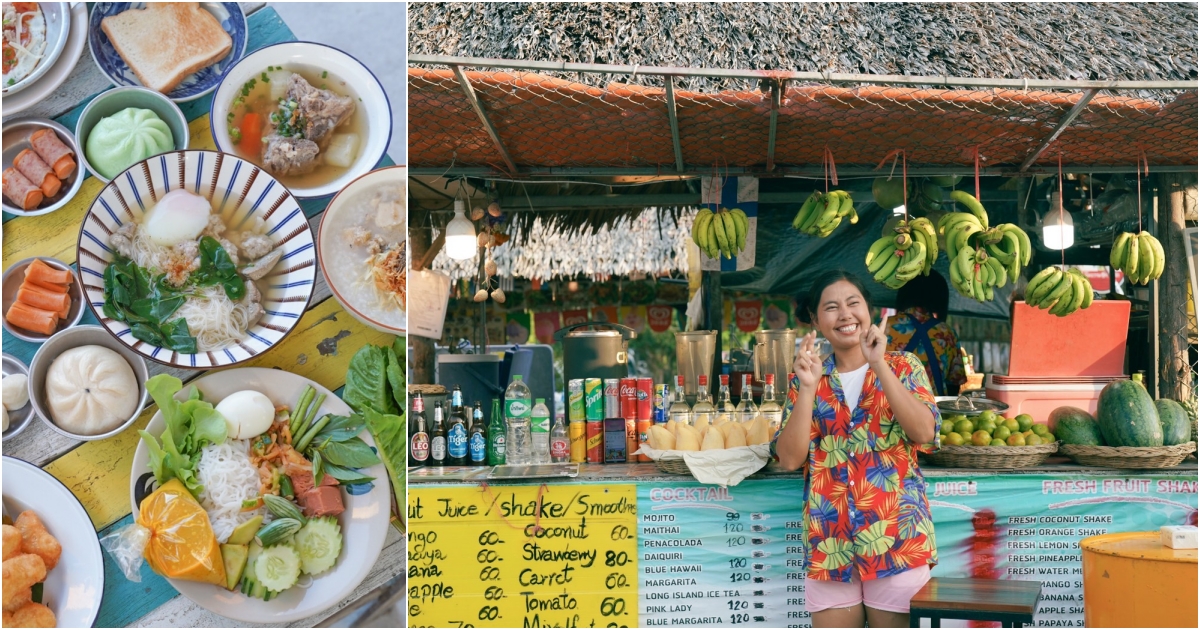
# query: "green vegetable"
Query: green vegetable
{"points": [[146, 302], [191, 425], [282, 508], [217, 268], [306, 422], [341, 428], [277, 532], [319, 542], [345, 476], [353, 453], [302, 445], [375, 389], [367, 381], [285, 487], [301, 408], [278, 567]]}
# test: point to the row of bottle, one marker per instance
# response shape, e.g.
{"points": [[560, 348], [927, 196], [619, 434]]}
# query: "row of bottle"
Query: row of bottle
{"points": [[705, 410], [521, 435]]}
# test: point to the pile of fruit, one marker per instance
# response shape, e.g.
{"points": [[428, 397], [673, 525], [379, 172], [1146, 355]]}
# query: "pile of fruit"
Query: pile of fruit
{"points": [[823, 212], [992, 429], [982, 257], [1126, 415], [1139, 255], [910, 248], [1063, 292], [721, 233]]}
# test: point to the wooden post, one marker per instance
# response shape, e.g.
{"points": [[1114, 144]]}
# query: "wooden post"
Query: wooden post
{"points": [[420, 349], [714, 319], [1176, 380]]}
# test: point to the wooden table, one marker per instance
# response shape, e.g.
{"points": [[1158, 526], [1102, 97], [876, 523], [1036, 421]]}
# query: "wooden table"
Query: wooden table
{"points": [[98, 473], [1010, 602]]}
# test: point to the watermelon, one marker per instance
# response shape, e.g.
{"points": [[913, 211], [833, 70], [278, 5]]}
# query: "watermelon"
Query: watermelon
{"points": [[1127, 416], [1176, 427], [1073, 425]]}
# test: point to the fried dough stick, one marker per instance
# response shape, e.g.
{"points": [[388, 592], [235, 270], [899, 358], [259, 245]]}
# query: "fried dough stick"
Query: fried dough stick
{"points": [[12, 541], [22, 572], [36, 540], [31, 616]]}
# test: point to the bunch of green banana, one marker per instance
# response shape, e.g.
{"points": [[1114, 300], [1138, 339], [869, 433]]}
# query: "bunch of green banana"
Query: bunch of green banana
{"points": [[1139, 255], [1006, 242], [920, 230], [894, 260], [822, 213], [720, 232], [1063, 292]]}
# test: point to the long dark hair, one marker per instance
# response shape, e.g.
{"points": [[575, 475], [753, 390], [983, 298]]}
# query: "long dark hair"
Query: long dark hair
{"points": [[812, 300], [927, 292]]}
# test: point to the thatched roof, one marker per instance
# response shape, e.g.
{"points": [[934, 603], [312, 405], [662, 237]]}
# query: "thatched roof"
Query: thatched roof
{"points": [[1088, 41]]}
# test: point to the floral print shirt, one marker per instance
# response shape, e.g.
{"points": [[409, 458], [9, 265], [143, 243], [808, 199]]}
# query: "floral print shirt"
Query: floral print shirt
{"points": [[946, 353], [865, 510]]}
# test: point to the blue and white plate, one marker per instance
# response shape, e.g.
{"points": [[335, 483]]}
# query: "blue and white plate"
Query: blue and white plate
{"points": [[195, 85], [239, 190]]}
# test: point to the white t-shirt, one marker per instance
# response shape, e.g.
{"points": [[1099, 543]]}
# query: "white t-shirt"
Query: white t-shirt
{"points": [[852, 385]]}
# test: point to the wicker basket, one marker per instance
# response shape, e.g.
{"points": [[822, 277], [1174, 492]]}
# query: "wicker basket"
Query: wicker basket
{"points": [[1129, 456], [672, 465], [991, 456]]}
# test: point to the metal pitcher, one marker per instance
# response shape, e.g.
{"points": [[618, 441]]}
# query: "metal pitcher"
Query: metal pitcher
{"points": [[774, 353]]}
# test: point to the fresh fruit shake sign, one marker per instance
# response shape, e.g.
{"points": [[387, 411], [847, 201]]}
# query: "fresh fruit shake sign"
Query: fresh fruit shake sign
{"points": [[725, 228]]}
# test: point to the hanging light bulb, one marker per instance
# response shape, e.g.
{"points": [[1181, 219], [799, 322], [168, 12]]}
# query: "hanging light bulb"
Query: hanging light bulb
{"points": [[460, 234], [1058, 229]]}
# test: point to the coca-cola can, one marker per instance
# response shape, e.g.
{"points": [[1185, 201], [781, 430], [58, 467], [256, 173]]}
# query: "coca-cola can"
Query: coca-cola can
{"points": [[629, 406], [612, 398], [645, 401]]}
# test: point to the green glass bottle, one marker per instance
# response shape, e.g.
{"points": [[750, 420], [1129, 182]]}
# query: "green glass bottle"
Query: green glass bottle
{"points": [[497, 435]]}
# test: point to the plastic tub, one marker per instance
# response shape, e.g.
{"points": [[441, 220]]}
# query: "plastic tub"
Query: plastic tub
{"points": [[1131, 580]]}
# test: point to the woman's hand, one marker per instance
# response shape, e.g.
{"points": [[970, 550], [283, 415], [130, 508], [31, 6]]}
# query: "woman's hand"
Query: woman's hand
{"points": [[807, 365], [874, 343]]}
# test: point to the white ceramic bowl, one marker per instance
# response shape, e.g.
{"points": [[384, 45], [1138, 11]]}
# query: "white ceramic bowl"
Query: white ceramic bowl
{"points": [[58, 26], [243, 190], [369, 93], [364, 523]]}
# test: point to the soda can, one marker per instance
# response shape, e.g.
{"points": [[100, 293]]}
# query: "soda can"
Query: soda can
{"points": [[595, 441], [643, 431], [631, 439], [593, 400], [659, 413], [645, 390], [578, 436], [628, 399], [612, 407], [575, 407]]}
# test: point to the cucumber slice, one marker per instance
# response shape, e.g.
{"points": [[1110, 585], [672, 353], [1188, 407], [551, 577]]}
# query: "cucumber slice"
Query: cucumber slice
{"points": [[277, 568], [319, 542]]}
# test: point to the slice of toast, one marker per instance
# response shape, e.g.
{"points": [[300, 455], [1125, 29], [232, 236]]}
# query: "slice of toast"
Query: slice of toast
{"points": [[165, 42]]}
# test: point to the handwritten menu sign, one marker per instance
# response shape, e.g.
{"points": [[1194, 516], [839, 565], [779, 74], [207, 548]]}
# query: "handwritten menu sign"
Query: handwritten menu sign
{"points": [[522, 556]]}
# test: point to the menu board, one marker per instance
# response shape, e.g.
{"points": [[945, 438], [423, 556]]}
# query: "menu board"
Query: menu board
{"points": [[719, 557], [522, 556]]}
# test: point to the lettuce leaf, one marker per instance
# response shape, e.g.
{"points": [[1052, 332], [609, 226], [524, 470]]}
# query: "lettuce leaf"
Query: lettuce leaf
{"points": [[367, 381], [390, 436], [191, 425]]}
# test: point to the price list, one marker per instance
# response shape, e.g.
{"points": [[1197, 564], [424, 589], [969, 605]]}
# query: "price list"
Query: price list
{"points": [[719, 557], [522, 556]]}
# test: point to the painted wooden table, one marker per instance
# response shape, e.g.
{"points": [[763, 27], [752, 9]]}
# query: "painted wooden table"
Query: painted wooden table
{"points": [[98, 473]]}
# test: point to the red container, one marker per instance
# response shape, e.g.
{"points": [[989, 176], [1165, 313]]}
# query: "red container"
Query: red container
{"points": [[595, 441], [1045, 345], [628, 395], [645, 398]]}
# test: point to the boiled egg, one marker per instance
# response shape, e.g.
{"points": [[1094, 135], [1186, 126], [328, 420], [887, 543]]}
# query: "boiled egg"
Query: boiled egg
{"points": [[247, 414], [14, 391], [179, 216]]}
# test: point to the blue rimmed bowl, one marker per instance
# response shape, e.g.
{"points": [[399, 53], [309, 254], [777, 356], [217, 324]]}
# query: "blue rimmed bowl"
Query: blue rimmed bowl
{"points": [[238, 190], [195, 85]]}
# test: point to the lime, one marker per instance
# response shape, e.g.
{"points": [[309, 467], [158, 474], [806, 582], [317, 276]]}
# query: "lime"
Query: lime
{"points": [[1001, 433], [986, 425], [987, 416], [1025, 421], [997, 442], [1016, 439], [1012, 425], [964, 427], [1049, 438], [1040, 429], [1033, 440], [981, 438], [953, 439]]}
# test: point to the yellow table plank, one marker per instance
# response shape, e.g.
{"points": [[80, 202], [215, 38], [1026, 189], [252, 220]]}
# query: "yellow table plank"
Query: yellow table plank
{"points": [[57, 234], [319, 348]]}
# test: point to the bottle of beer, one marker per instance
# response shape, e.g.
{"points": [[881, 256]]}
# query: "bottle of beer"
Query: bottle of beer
{"points": [[477, 438], [497, 436], [437, 438], [456, 431], [418, 433]]}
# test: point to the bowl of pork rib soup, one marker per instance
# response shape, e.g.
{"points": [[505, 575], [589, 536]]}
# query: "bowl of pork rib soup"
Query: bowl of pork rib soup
{"points": [[310, 115]]}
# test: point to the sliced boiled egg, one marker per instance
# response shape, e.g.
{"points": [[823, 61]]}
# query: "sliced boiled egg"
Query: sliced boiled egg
{"points": [[247, 414], [179, 216]]}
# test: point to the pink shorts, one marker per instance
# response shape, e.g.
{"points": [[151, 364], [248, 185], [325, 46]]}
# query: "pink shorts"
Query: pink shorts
{"points": [[892, 593]]}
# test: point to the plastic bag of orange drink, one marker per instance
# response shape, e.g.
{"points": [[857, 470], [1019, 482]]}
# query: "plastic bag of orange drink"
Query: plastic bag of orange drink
{"points": [[172, 533]]}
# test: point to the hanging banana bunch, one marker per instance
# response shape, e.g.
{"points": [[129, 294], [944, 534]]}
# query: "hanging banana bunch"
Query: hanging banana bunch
{"points": [[1140, 256], [721, 233], [1062, 292], [970, 240], [822, 213], [896, 258]]}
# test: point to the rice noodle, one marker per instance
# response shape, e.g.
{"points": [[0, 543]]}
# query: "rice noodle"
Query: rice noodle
{"points": [[213, 319], [228, 478]]}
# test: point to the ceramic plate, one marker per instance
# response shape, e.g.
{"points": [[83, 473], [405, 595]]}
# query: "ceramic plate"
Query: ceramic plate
{"points": [[56, 18], [56, 72], [74, 588], [342, 264], [195, 85], [239, 190], [364, 523]]}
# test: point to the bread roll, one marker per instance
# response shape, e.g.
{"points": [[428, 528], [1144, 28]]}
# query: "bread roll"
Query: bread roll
{"points": [[688, 438], [757, 432], [713, 441], [673, 427], [720, 419], [735, 435], [701, 423], [662, 439]]}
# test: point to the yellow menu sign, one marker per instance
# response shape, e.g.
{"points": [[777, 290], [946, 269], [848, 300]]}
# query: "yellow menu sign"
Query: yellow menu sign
{"points": [[522, 556]]}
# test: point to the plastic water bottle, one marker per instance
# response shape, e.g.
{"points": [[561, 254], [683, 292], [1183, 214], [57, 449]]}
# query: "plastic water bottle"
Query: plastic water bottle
{"points": [[517, 408], [539, 421], [560, 444]]}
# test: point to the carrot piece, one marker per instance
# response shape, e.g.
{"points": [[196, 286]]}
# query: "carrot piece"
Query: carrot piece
{"points": [[33, 295], [32, 319], [66, 310], [251, 126], [43, 274]]}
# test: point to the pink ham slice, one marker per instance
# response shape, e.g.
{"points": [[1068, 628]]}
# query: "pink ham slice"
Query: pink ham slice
{"points": [[19, 190], [54, 152], [37, 171], [322, 501]]}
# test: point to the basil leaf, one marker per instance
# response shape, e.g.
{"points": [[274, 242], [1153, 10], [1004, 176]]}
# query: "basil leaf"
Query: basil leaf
{"points": [[318, 469], [353, 453], [340, 429], [346, 476]]}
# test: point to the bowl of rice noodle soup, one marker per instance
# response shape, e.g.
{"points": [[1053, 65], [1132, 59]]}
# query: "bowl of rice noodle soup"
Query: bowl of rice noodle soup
{"points": [[197, 259]]}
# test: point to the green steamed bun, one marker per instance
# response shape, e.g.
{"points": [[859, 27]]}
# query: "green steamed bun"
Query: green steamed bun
{"points": [[126, 138]]}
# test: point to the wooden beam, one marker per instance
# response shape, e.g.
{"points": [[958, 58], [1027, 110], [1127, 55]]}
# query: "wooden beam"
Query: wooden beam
{"points": [[672, 114], [776, 90], [1175, 377], [469, 91], [1062, 125]]}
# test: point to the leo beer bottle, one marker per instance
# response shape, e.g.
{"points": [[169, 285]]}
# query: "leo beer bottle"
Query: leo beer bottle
{"points": [[418, 433]]}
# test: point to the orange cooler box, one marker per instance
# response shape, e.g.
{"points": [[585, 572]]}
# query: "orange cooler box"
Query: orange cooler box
{"points": [[1039, 396], [1090, 342]]}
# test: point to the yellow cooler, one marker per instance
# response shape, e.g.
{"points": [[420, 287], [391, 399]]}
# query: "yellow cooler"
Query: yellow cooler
{"points": [[1131, 580]]}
